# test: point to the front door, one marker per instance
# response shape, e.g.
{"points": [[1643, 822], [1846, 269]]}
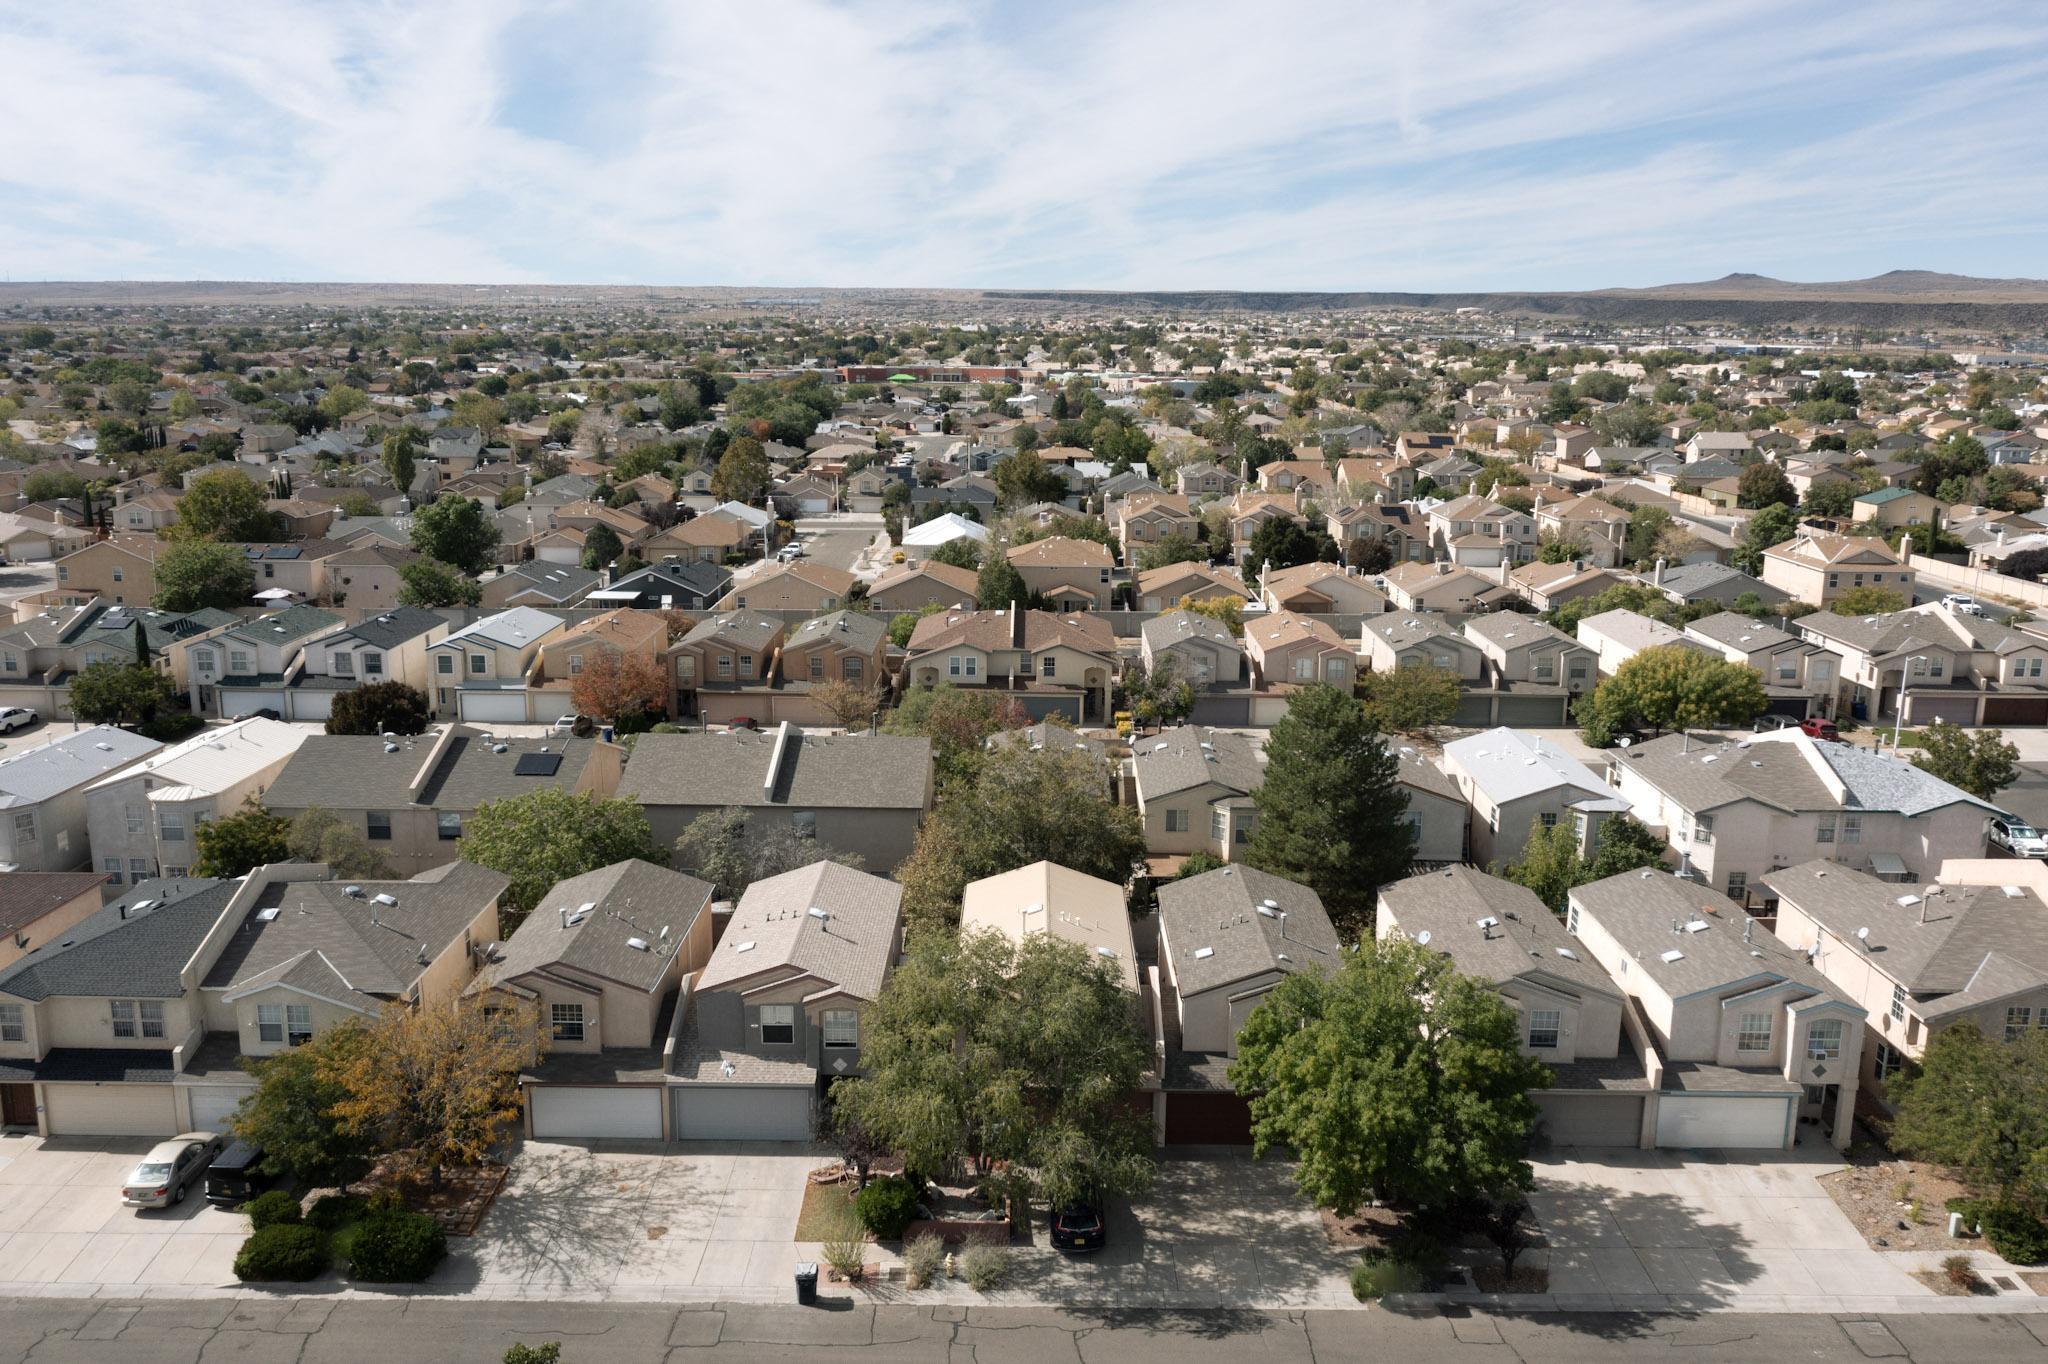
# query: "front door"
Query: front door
{"points": [[17, 1105]]}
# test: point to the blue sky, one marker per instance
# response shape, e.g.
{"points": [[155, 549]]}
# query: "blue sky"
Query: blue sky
{"points": [[1300, 145]]}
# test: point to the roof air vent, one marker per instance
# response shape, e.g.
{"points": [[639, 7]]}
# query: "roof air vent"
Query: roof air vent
{"points": [[747, 946], [353, 892], [1204, 953], [1673, 955], [385, 899], [637, 944]]}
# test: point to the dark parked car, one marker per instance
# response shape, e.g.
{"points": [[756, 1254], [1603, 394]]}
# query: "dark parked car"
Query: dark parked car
{"points": [[235, 1176], [1079, 1227], [743, 722]]}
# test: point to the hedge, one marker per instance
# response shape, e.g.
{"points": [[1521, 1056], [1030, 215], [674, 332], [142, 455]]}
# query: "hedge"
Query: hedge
{"points": [[283, 1252]]}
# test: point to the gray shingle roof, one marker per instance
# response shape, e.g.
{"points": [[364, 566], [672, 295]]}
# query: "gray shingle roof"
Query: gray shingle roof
{"points": [[282, 627], [1507, 630], [353, 772], [36, 774], [1741, 632], [856, 630], [1525, 938], [393, 627], [1220, 912], [1639, 908], [772, 927], [747, 629], [1702, 776], [848, 771], [120, 952], [1690, 580], [1163, 631], [26, 896], [628, 899], [1188, 756]]}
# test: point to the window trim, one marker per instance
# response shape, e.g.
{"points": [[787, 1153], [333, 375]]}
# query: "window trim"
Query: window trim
{"points": [[847, 1020], [1555, 1029], [780, 1011], [566, 1022], [1751, 1026]]}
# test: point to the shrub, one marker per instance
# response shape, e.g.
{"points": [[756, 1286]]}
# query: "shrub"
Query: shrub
{"points": [[922, 1258], [275, 1208], [396, 1247], [282, 1252], [1377, 1274], [550, 1353], [845, 1247], [1960, 1271], [2014, 1233], [887, 1206], [984, 1266], [332, 1212]]}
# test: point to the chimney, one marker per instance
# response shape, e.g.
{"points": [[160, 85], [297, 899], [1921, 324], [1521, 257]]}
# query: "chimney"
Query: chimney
{"points": [[1017, 622], [787, 741], [1657, 574], [1443, 567], [1578, 565]]}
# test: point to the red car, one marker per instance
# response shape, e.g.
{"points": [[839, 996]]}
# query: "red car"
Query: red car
{"points": [[1818, 728]]}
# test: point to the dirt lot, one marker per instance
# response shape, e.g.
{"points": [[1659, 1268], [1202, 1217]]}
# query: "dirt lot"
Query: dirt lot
{"points": [[1880, 1193]]}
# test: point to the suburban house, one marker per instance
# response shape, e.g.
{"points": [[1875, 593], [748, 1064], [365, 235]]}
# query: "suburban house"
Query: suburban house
{"points": [[1745, 1040], [137, 1022], [141, 818], [1146, 518], [722, 654], [1193, 646], [1226, 938], [602, 960], [119, 570], [1520, 649], [1819, 568], [1548, 586], [1206, 480], [40, 907], [1421, 640], [1319, 589], [1440, 586], [411, 797], [391, 647], [912, 586], [1477, 532], [703, 539], [1969, 945], [788, 587], [1933, 663], [1060, 902], [44, 798], [243, 669], [539, 583], [839, 646], [1047, 660], [1735, 812], [1249, 510], [1799, 677], [858, 793], [775, 1016], [480, 671], [1892, 508], [1071, 575], [1567, 1010], [1437, 815], [1596, 530], [1286, 649], [681, 586], [1516, 783], [1689, 583], [1193, 789], [1617, 636], [1162, 588]]}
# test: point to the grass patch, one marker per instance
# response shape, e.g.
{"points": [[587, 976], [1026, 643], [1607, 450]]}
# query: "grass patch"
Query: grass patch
{"points": [[826, 1211]]}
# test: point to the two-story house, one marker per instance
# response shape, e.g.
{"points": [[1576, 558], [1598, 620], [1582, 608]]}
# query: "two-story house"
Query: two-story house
{"points": [[245, 667], [1421, 639], [1051, 661], [1799, 677], [722, 654], [624, 634], [1523, 651], [1477, 532], [1516, 783], [543, 584], [920, 583], [1193, 788], [1045, 897], [1597, 530], [1162, 588], [43, 796], [480, 671], [775, 1016], [1746, 1043], [1146, 518], [1440, 586], [142, 819], [796, 586], [1192, 646], [1820, 568], [390, 647], [1070, 574], [1619, 635], [678, 586], [120, 570], [1934, 663], [1286, 649], [1319, 589]]}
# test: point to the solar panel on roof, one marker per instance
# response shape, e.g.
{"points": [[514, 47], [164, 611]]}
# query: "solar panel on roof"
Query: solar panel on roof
{"points": [[537, 765], [281, 552]]}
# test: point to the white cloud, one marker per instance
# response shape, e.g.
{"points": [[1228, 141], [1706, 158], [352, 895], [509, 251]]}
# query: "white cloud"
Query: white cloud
{"points": [[1325, 146]]}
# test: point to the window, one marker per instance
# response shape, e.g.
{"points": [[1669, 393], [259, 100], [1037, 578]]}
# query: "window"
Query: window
{"points": [[686, 668], [1176, 821], [63, 574], [373, 665], [1753, 1033], [850, 668], [566, 1022], [1047, 666], [804, 823], [1788, 668], [725, 665], [137, 1018], [1304, 669], [203, 660], [112, 867], [13, 1025], [1546, 669], [1887, 1061], [138, 867], [746, 665], [2016, 1020], [171, 826], [1548, 819], [174, 871], [1852, 828], [1335, 670], [377, 825], [817, 665], [1899, 1003], [1219, 822], [1571, 920], [1543, 1026], [25, 827], [344, 665], [575, 664], [238, 660], [448, 825], [1824, 829], [842, 1028], [778, 1024], [445, 664], [1824, 1040], [1703, 829], [1577, 671], [270, 1022], [298, 1024], [477, 664], [1936, 667]]}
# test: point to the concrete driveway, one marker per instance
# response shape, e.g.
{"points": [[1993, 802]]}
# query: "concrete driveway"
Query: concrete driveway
{"points": [[62, 1220], [1626, 1227]]}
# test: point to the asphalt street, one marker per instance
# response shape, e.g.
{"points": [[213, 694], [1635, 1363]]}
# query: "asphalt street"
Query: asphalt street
{"points": [[317, 1331]]}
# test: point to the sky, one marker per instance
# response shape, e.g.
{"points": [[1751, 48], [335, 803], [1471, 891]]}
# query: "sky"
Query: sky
{"points": [[1303, 145]]}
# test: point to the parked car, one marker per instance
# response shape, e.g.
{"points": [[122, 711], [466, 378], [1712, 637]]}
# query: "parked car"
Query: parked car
{"points": [[791, 552], [1817, 728], [168, 1172], [236, 1175], [16, 717], [1962, 605], [743, 722], [2018, 838], [1079, 1227], [1766, 724]]}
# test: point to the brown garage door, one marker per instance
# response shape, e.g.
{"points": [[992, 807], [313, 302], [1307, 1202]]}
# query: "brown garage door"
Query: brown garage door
{"points": [[1581, 1118], [1957, 710], [2016, 710], [1207, 1119]]}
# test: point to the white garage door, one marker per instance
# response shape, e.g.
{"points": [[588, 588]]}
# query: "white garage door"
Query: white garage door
{"points": [[109, 1111], [572, 1112], [509, 706], [1707, 1121], [235, 703], [311, 704], [744, 1113], [214, 1105]]}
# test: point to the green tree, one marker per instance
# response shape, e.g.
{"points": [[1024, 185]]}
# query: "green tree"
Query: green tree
{"points": [[196, 574], [1830, 499], [1159, 695], [1018, 1060], [958, 721], [550, 835], [999, 585], [742, 472], [1411, 700], [1774, 525], [458, 531], [342, 400], [1173, 548], [401, 453], [1869, 600], [291, 1112], [903, 624], [1981, 1106], [1282, 543], [1024, 478], [319, 835], [380, 708], [721, 847], [1674, 687], [236, 845], [1018, 807], [1331, 808], [431, 583], [1626, 844], [1765, 485], [1393, 1077], [1227, 610], [1550, 864], [115, 693], [224, 506], [601, 546], [1978, 761], [962, 552], [49, 485]]}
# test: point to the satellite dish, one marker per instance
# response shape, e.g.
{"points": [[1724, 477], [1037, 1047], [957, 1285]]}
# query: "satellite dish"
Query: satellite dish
{"points": [[1422, 938], [1625, 741]]}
